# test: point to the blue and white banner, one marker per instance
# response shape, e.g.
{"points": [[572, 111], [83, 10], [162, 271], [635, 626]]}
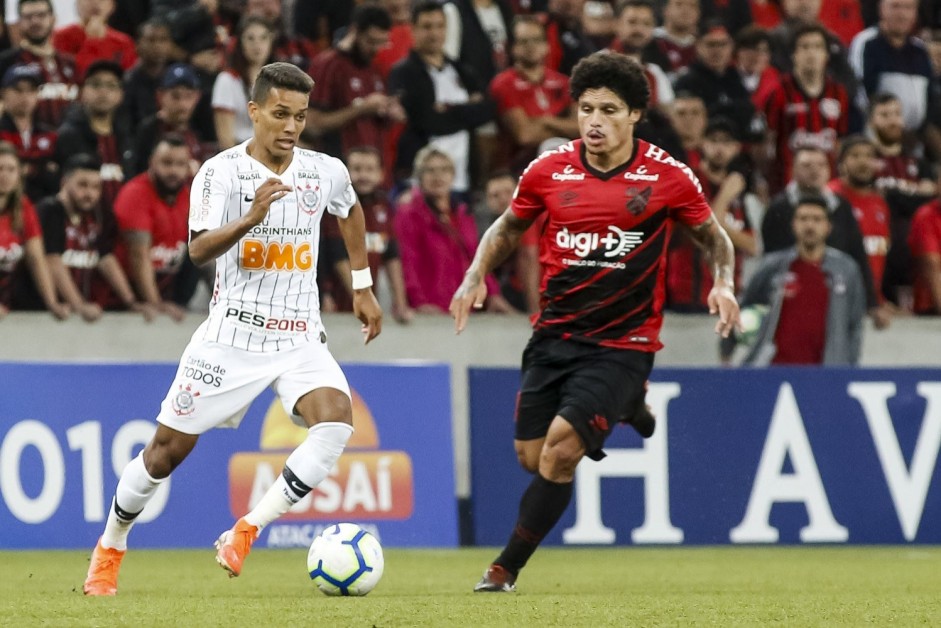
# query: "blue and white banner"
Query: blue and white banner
{"points": [[739, 456], [67, 431]]}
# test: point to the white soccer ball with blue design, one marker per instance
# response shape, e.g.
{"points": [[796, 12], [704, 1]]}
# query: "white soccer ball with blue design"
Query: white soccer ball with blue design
{"points": [[345, 560]]}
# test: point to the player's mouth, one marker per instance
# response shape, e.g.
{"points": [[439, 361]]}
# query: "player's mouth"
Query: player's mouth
{"points": [[285, 142], [594, 137]]}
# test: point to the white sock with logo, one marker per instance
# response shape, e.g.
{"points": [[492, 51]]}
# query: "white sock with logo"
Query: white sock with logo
{"points": [[135, 488], [306, 467]]}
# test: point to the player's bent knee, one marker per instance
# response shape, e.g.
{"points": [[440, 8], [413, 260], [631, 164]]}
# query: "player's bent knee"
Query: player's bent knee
{"points": [[166, 450], [557, 462], [324, 405]]}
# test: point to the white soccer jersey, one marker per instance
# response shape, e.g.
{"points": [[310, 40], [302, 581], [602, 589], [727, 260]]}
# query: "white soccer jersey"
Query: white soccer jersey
{"points": [[265, 296]]}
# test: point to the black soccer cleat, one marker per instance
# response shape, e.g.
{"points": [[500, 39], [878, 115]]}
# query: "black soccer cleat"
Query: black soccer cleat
{"points": [[642, 419], [496, 580]]}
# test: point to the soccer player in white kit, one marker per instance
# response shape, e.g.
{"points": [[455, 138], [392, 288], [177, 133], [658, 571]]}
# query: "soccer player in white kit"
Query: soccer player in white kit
{"points": [[256, 210]]}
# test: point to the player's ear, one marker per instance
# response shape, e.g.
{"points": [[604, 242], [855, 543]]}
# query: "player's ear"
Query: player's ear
{"points": [[253, 110], [634, 115]]}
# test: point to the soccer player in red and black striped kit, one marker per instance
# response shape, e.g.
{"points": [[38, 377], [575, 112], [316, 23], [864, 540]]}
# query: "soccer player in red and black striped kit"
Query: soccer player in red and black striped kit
{"points": [[612, 202]]}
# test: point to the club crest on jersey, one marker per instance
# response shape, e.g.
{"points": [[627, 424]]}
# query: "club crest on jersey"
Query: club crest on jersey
{"points": [[830, 108], [185, 400], [310, 198], [637, 199]]}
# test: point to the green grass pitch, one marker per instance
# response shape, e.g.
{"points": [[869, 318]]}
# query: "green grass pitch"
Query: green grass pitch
{"points": [[796, 586]]}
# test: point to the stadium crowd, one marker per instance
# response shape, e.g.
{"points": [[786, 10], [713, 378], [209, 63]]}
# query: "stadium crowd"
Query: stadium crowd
{"points": [[110, 106]]}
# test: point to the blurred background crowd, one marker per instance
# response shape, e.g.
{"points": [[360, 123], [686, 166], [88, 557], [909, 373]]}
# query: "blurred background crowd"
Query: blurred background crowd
{"points": [[110, 106]]}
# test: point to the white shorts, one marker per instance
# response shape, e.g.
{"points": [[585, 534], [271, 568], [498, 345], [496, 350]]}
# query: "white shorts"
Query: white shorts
{"points": [[216, 383]]}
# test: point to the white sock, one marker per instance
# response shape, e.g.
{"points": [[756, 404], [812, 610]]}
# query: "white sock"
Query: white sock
{"points": [[306, 467], [135, 488]]}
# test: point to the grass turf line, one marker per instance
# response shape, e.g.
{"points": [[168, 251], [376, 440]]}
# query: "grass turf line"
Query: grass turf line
{"points": [[561, 587]]}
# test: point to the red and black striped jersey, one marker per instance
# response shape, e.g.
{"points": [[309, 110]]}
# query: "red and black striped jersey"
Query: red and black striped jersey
{"points": [[59, 88], [800, 120], [604, 245]]}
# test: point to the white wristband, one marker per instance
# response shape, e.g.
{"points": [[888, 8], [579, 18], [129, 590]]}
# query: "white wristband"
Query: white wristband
{"points": [[362, 279]]}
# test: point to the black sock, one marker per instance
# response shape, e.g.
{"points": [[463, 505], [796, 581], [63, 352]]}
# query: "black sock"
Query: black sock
{"points": [[541, 508]]}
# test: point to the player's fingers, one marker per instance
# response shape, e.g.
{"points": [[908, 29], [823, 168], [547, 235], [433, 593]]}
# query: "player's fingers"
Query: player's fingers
{"points": [[460, 314]]}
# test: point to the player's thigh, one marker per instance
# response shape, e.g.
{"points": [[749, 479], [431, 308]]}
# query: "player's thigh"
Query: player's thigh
{"points": [[536, 406], [213, 387], [601, 391], [561, 452], [313, 388]]}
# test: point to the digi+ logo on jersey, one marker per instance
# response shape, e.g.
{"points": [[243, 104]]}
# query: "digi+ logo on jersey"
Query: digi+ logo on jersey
{"points": [[616, 242], [276, 256]]}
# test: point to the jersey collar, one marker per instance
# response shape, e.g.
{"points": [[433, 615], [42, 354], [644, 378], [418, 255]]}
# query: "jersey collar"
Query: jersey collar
{"points": [[604, 176]]}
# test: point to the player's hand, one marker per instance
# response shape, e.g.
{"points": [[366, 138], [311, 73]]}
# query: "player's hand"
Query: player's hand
{"points": [[471, 293], [268, 192], [90, 312], [367, 310], [722, 301]]}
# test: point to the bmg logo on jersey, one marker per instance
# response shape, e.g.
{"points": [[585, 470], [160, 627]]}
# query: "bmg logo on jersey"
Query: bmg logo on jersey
{"points": [[616, 242], [276, 256]]}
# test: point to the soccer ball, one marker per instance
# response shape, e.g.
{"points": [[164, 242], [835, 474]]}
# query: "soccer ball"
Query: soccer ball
{"points": [[752, 318], [345, 560]]}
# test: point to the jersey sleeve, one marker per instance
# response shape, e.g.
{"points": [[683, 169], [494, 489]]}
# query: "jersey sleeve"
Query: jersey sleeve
{"points": [[688, 205], [528, 198], [343, 197], [208, 195]]}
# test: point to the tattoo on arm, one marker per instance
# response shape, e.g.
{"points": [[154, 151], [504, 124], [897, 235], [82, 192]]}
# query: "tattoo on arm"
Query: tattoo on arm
{"points": [[498, 242], [713, 239]]}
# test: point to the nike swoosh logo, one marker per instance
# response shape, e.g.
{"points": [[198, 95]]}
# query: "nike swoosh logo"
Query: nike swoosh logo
{"points": [[297, 487], [249, 199]]}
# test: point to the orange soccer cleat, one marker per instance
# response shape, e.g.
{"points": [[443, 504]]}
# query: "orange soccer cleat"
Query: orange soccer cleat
{"points": [[234, 545], [102, 576]]}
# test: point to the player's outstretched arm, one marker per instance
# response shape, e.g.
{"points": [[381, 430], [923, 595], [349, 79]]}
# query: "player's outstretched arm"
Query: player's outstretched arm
{"points": [[365, 306], [497, 243], [206, 246], [716, 243]]}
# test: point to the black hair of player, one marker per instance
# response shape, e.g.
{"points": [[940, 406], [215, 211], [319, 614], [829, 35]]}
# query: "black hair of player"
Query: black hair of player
{"points": [[425, 6], [280, 75], [612, 70], [81, 161], [366, 16], [808, 29]]}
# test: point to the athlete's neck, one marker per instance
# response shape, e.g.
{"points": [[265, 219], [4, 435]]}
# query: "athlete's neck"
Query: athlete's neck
{"points": [[604, 162], [275, 163]]}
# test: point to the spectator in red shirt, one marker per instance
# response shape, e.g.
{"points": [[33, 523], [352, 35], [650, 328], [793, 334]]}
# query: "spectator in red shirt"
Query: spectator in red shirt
{"points": [[153, 211], [400, 36], [813, 295], [858, 164], [79, 236], [437, 238], [35, 142], [92, 39], [60, 84], [533, 102], [21, 238], [924, 240], [808, 108], [349, 106]]}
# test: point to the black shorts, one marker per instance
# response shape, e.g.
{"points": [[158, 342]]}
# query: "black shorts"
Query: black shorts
{"points": [[591, 387]]}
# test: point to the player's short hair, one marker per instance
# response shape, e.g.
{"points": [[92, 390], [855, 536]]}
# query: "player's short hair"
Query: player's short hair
{"points": [[807, 29], [81, 161], [881, 98], [612, 70], [816, 200], [366, 16], [425, 6], [426, 153], [280, 75], [851, 142], [365, 150]]}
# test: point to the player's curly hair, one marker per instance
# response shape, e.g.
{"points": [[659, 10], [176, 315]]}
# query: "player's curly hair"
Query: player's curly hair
{"points": [[619, 73]]}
